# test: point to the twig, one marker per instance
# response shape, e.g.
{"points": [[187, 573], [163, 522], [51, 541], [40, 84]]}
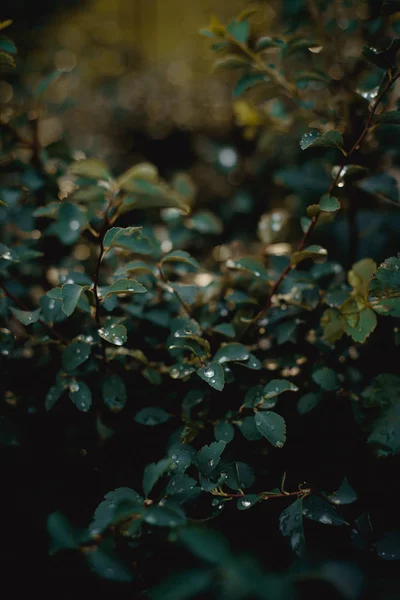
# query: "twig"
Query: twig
{"points": [[178, 297], [314, 220]]}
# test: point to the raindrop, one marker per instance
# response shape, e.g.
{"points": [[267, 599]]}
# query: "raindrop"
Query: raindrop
{"points": [[245, 503], [74, 225], [209, 372]]}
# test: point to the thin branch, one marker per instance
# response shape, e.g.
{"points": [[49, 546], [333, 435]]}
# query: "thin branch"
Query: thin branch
{"points": [[333, 185], [178, 297]]}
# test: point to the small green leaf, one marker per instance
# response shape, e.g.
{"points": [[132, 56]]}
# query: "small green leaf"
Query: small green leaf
{"points": [[267, 42], [333, 325], [318, 509], [6, 45], [231, 352], [209, 456], [114, 334], [62, 535], [275, 387], [224, 432], [213, 374], [307, 402], [26, 317], [249, 265], [365, 325], [81, 396], [329, 204], [125, 286], [381, 184], [230, 61], [225, 329], [249, 430], [74, 355], [153, 472], [181, 256], [69, 223], [385, 58], [238, 476], [291, 525], [314, 252], [344, 495], [6, 61], [272, 426], [206, 222], [151, 416], [330, 139], [91, 168], [327, 379], [114, 392], [247, 82], [118, 236], [70, 295], [142, 171], [53, 395], [239, 31]]}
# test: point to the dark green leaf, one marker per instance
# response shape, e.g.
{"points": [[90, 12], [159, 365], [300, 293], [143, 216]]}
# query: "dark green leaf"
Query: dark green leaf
{"points": [[231, 352], [224, 432], [272, 426], [81, 396], [114, 392], [209, 456], [153, 472], [247, 82], [70, 295], [327, 379], [125, 286], [181, 256], [239, 31], [213, 374], [114, 334], [152, 415], [26, 317], [249, 265], [62, 534], [291, 525], [74, 355], [344, 495], [275, 387], [329, 204], [330, 139]]}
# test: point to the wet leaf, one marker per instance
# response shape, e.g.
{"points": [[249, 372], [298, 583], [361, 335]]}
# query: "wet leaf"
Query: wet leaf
{"points": [[272, 426]]}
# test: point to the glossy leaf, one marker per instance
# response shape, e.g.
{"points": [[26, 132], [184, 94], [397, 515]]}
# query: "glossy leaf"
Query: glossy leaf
{"points": [[81, 396], [114, 334], [180, 256], [314, 252], [209, 456], [275, 387], [26, 317], [125, 286], [213, 374], [329, 204], [250, 265], [231, 352], [74, 355], [272, 426], [291, 525], [327, 379], [92, 168], [330, 139]]}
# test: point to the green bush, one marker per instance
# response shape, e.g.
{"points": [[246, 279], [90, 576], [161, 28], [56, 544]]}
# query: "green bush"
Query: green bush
{"points": [[236, 363]]}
